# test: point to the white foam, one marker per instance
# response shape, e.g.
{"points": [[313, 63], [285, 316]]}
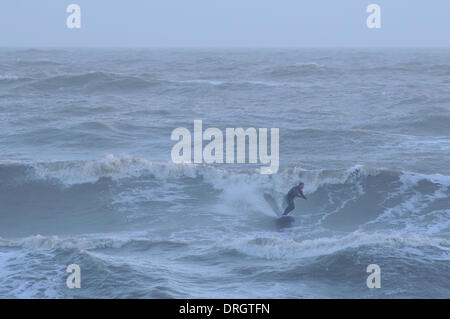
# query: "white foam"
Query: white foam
{"points": [[278, 248], [8, 77], [77, 172], [85, 243], [313, 64]]}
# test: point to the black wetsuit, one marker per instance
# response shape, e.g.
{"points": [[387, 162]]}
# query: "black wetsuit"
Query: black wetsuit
{"points": [[294, 192]]}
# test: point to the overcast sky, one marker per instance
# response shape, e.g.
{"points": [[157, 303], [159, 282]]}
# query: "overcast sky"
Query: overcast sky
{"points": [[225, 23]]}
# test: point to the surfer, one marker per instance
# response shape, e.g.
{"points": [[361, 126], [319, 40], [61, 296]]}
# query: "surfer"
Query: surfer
{"points": [[296, 191]]}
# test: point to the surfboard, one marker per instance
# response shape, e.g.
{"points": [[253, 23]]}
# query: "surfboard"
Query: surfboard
{"points": [[282, 221], [285, 221]]}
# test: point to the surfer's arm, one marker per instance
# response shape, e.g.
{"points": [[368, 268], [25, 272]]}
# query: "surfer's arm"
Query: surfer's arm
{"points": [[300, 194]]}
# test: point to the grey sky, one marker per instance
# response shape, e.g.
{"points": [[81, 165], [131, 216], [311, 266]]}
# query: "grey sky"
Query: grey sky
{"points": [[225, 23]]}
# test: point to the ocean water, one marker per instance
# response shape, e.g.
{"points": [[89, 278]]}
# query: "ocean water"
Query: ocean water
{"points": [[86, 175]]}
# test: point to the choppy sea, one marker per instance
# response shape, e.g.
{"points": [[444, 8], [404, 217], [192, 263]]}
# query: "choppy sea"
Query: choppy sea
{"points": [[86, 175]]}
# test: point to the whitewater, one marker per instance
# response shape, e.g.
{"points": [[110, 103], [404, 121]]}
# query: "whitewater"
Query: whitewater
{"points": [[86, 175]]}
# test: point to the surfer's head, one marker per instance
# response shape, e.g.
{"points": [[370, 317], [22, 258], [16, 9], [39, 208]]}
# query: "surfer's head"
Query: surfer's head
{"points": [[301, 185]]}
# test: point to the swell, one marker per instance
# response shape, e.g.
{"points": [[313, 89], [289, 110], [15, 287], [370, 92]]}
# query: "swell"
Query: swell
{"points": [[276, 248], [93, 242], [43, 261], [93, 82], [299, 70], [84, 194], [75, 172], [104, 82]]}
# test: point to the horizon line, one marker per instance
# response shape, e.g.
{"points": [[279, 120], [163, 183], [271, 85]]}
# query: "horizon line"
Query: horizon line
{"points": [[220, 47]]}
